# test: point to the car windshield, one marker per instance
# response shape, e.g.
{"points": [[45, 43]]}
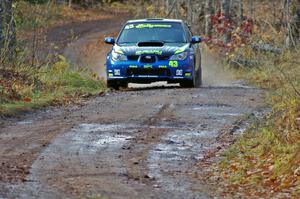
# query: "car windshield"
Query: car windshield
{"points": [[147, 32]]}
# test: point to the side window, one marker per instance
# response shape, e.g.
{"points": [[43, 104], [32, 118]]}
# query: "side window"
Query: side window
{"points": [[188, 31]]}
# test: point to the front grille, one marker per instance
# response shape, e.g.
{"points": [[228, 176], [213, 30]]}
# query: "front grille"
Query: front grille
{"points": [[133, 57], [149, 71], [148, 59]]}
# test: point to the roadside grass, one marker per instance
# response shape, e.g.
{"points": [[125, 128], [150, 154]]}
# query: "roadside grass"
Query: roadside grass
{"points": [[265, 160], [27, 84], [25, 88]]}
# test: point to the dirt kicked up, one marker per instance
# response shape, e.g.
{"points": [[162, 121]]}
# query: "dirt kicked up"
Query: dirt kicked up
{"points": [[138, 143]]}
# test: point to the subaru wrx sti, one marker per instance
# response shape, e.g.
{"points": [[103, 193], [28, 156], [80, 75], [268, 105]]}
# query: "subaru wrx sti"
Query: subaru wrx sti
{"points": [[151, 50]]}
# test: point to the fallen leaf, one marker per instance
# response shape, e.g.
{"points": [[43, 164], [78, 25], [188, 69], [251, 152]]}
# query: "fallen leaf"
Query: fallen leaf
{"points": [[27, 100]]}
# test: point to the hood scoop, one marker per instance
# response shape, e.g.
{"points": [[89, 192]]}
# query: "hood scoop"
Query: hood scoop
{"points": [[151, 44]]}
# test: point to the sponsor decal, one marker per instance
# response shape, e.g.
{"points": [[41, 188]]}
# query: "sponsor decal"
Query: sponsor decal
{"points": [[156, 52], [148, 66], [117, 72], [162, 66], [173, 64], [133, 66], [141, 26], [179, 72]]}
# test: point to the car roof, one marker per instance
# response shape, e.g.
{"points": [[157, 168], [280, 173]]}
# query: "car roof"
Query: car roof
{"points": [[154, 20]]}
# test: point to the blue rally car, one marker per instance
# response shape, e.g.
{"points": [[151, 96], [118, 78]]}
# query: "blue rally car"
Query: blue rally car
{"points": [[151, 50]]}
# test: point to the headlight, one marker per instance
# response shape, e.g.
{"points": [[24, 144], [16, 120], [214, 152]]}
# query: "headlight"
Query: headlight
{"points": [[181, 56], [118, 57]]}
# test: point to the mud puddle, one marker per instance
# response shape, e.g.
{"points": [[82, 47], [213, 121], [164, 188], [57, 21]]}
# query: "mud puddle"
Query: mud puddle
{"points": [[66, 160], [172, 160]]}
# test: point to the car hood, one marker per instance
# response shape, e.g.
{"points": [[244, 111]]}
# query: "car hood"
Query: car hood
{"points": [[166, 49]]}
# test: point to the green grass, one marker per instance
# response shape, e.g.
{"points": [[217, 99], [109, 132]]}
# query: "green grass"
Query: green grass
{"points": [[30, 16], [24, 88], [50, 85]]}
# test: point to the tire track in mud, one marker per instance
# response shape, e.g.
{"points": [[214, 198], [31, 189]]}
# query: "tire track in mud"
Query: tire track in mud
{"points": [[148, 148], [139, 147], [99, 146], [169, 162], [82, 160], [144, 144]]}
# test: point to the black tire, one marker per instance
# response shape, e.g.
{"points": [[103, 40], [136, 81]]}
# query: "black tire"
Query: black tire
{"points": [[123, 84], [113, 85], [199, 77], [187, 84], [116, 85]]}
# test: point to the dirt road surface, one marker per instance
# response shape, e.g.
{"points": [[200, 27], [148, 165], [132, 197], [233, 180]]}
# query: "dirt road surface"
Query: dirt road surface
{"points": [[143, 142]]}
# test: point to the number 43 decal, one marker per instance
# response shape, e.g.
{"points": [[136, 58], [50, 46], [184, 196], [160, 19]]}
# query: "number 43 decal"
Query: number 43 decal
{"points": [[173, 64]]}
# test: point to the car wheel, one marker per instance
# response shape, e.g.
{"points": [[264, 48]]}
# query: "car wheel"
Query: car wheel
{"points": [[123, 84], [113, 85], [199, 77], [187, 84]]}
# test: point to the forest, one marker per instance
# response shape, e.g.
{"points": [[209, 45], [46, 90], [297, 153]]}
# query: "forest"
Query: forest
{"points": [[256, 40]]}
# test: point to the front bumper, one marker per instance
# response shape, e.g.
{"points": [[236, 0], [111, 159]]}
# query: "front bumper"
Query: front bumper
{"points": [[130, 71]]}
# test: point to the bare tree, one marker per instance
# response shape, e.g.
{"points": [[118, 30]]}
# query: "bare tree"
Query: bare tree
{"points": [[293, 21], [252, 8], [226, 5], [177, 9], [209, 11], [1, 26], [70, 3], [241, 3], [189, 11], [7, 28], [171, 7], [167, 5], [296, 23]]}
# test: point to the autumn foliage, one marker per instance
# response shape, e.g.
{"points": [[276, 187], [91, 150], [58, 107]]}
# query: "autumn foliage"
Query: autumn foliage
{"points": [[264, 162]]}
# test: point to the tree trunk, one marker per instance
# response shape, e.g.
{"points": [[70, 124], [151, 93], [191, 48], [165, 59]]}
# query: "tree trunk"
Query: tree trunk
{"points": [[1, 26], [171, 8], [296, 23], [209, 11], [156, 9], [241, 2], [226, 5], [190, 12], [252, 9], [274, 12], [177, 9], [293, 23], [7, 28], [167, 6]]}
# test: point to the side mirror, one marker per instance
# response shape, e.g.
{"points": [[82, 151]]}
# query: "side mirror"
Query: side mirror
{"points": [[109, 40], [196, 39]]}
